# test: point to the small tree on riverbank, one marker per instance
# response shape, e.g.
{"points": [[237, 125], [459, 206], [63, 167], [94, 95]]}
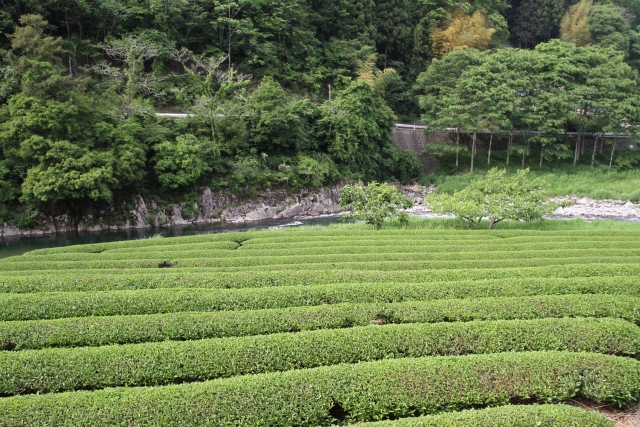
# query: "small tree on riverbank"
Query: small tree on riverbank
{"points": [[375, 203], [497, 197]]}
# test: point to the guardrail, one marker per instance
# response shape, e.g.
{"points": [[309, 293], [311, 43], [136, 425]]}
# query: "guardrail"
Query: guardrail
{"points": [[421, 127]]}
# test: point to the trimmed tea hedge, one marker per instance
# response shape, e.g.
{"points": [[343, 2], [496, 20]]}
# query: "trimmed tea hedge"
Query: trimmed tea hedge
{"points": [[355, 241], [228, 258], [361, 392], [97, 331], [505, 416], [104, 280], [394, 261], [310, 235], [150, 301], [55, 370]]}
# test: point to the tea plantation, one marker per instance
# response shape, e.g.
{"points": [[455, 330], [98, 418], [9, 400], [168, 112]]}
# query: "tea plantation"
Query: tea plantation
{"points": [[318, 327]]}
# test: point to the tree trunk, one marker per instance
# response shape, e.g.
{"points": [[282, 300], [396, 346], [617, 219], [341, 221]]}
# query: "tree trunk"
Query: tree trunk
{"points": [[386, 50], [492, 223], [595, 146], [66, 19], [541, 154], [508, 146], [329, 92], [524, 155], [473, 151], [584, 142], [615, 141], [575, 154], [457, 148], [489, 156]]}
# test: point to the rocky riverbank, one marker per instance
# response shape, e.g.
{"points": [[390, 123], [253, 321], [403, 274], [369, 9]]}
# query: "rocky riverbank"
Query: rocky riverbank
{"points": [[598, 209], [211, 208], [578, 207], [278, 204]]}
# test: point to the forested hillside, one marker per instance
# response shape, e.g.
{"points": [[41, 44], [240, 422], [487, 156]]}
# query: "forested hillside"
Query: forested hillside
{"points": [[288, 93]]}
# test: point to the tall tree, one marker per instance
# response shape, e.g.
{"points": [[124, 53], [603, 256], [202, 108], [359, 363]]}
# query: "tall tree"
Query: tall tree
{"points": [[481, 98], [537, 20], [609, 28], [231, 24], [437, 84], [71, 157]]}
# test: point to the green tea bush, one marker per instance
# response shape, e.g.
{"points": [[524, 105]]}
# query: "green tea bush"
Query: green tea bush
{"points": [[349, 392], [105, 280], [55, 370], [355, 262], [106, 330], [311, 234], [380, 245], [334, 254], [149, 301], [222, 241], [505, 416]]}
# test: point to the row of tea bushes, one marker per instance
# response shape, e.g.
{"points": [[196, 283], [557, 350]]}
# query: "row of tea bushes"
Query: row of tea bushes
{"points": [[37, 306], [358, 392], [105, 280], [319, 235], [227, 258], [106, 330], [380, 262], [56, 370], [505, 416]]}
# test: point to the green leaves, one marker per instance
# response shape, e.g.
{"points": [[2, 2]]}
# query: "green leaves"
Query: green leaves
{"points": [[374, 203], [182, 162], [497, 197]]}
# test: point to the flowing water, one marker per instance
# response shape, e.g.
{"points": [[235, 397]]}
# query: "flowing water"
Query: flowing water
{"points": [[17, 245]]}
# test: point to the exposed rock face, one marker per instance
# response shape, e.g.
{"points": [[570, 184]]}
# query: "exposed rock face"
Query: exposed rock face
{"points": [[277, 204], [212, 208]]}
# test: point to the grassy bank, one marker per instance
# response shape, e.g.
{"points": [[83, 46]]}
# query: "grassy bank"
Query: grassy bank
{"points": [[417, 223], [562, 178]]}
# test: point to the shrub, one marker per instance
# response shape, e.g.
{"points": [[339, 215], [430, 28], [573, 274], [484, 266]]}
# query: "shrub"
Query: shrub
{"points": [[320, 255], [109, 280], [396, 261], [106, 330], [374, 203], [54, 370], [80, 304], [328, 395], [505, 416]]}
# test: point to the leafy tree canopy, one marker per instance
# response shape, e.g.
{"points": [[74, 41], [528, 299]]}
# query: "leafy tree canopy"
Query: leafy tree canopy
{"points": [[496, 197]]}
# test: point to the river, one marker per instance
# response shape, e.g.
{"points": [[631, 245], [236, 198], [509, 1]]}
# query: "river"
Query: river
{"points": [[17, 245]]}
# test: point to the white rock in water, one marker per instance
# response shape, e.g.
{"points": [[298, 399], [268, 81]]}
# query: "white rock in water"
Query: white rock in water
{"points": [[629, 205], [584, 201]]}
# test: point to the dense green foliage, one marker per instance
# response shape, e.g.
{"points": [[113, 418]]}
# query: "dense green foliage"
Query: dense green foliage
{"points": [[292, 94], [317, 327], [505, 416], [497, 197], [322, 396], [56, 370], [107, 330], [374, 203], [531, 98]]}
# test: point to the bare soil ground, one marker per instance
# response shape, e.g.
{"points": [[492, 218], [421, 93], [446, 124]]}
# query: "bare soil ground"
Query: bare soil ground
{"points": [[629, 417]]}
